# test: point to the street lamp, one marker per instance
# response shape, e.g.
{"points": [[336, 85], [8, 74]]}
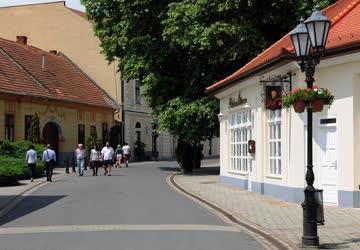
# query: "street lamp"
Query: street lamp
{"points": [[309, 40], [154, 125]]}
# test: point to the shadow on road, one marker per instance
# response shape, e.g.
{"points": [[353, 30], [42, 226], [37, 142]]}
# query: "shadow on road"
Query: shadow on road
{"points": [[205, 171], [170, 169], [27, 206]]}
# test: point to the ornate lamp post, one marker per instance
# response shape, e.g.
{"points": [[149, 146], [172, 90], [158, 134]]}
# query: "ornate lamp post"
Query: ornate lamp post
{"points": [[154, 125], [309, 40]]}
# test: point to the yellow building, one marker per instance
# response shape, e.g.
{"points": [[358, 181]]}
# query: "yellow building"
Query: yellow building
{"points": [[68, 102]]}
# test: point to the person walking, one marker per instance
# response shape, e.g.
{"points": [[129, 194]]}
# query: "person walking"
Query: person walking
{"points": [[126, 153], [49, 158], [95, 159], [30, 158], [107, 154], [118, 153], [80, 155]]}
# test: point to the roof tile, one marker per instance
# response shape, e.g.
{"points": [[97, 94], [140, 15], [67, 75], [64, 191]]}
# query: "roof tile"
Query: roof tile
{"points": [[32, 71]]}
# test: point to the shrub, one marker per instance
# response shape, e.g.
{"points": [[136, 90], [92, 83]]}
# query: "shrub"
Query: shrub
{"points": [[12, 162]]}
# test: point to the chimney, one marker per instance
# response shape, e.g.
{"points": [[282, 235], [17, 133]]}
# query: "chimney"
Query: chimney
{"points": [[21, 40], [54, 52]]}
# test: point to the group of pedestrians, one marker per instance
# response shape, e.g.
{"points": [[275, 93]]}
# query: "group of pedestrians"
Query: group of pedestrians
{"points": [[105, 158]]}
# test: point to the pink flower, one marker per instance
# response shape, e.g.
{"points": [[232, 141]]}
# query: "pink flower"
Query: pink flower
{"points": [[315, 87], [308, 89], [289, 92]]}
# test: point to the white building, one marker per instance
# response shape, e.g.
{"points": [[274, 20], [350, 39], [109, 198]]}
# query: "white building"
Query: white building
{"points": [[278, 166]]}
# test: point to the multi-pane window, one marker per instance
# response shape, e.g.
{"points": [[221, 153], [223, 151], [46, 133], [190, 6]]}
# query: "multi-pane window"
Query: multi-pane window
{"points": [[241, 133], [137, 91], [28, 119], [9, 127], [274, 138], [81, 133], [104, 132]]}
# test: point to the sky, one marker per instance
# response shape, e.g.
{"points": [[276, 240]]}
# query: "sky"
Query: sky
{"points": [[75, 4]]}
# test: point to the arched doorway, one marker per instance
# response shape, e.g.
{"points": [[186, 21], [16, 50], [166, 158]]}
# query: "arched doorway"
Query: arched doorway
{"points": [[116, 135], [50, 135]]}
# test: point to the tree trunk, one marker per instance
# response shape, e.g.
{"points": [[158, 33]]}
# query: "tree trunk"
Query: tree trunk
{"points": [[184, 156]]}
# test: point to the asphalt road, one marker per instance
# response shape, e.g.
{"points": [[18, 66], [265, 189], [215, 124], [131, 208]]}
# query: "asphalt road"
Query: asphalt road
{"points": [[133, 209]]}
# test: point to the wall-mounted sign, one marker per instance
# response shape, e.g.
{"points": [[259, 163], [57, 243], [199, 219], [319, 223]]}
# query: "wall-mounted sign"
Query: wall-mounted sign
{"points": [[273, 88], [233, 102], [273, 97]]}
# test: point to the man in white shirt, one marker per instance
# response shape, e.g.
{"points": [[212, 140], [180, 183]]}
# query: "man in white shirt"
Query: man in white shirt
{"points": [[49, 158], [126, 153], [30, 158], [107, 154]]}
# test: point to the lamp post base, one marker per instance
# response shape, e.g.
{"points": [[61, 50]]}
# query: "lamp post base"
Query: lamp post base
{"points": [[310, 237], [310, 241]]}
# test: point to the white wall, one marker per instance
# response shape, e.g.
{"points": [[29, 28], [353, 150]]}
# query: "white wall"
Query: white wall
{"points": [[342, 76]]}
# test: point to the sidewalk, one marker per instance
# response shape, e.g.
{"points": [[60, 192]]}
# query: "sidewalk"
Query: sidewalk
{"points": [[9, 194], [280, 219]]}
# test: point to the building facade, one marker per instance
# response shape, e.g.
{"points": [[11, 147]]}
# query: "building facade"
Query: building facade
{"points": [[264, 150], [53, 26], [68, 103]]}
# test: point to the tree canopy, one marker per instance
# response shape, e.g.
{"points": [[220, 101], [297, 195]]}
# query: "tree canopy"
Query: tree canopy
{"points": [[179, 47]]}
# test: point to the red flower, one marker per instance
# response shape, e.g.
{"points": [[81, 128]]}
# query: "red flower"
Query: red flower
{"points": [[308, 89], [289, 92]]}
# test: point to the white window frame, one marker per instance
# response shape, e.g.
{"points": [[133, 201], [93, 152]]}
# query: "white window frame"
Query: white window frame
{"points": [[241, 130], [274, 142]]}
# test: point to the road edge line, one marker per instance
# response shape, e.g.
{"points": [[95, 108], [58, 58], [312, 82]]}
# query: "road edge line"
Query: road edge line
{"points": [[264, 238]]}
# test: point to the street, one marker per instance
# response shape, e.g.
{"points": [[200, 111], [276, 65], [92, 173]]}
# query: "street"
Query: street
{"points": [[132, 209]]}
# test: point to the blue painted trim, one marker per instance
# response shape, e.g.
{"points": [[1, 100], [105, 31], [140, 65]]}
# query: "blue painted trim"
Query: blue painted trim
{"points": [[291, 194], [242, 183], [349, 198]]}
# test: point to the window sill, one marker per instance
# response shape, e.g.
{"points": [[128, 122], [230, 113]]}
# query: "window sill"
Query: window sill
{"points": [[238, 173], [278, 177]]}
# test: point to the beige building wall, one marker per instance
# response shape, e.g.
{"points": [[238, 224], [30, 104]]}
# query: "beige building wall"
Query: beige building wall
{"points": [[53, 26]]}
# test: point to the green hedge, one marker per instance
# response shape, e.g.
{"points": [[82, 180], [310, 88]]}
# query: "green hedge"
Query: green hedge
{"points": [[12, 162]]}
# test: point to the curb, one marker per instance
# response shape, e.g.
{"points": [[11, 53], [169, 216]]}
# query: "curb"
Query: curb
{"points": [[263, 237], [19, 197]]}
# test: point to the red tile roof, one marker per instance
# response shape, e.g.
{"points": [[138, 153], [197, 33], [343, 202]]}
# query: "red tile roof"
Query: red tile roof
{"points": [[345, 30], [26, 70]]}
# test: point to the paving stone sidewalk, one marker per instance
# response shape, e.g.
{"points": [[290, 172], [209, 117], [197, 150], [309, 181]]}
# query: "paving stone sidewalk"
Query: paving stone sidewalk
{"points": [[278, 218], [10, 193]]}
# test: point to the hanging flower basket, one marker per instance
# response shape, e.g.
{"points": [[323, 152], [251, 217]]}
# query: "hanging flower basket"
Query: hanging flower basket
{"points": [[317, 105], [299, 106], [299, 97]]}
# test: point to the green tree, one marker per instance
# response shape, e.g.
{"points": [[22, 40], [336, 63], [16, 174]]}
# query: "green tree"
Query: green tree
{"points": [[34, 129], [179, 47]]}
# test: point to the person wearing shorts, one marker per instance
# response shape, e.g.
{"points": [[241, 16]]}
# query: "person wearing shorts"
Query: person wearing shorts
{"points": [[107, 154], [126, 154], [118, 153]]}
